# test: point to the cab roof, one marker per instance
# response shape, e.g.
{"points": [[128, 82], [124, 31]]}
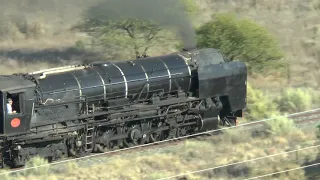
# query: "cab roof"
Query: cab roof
{"points": [[13, 82]]}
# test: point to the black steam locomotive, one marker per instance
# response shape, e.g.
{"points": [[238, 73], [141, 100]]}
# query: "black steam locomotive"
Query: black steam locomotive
{"points": [[98, 107]]}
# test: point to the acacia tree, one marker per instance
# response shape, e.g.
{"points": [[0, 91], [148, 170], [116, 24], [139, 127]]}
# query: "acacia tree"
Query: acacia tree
{"points": [[132, 33], [137, 25]]}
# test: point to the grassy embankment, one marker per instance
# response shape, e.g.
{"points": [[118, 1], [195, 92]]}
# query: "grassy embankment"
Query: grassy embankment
{"points": [[38, 36], [194, 155]]}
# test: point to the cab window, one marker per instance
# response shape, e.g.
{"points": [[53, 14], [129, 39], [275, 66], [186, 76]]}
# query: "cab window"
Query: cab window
{"points": [[14, 103]]}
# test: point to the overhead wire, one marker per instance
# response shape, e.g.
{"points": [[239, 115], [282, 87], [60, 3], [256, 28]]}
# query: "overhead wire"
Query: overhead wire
{"points": [[159, 142], [236, 163], [279, 172]]}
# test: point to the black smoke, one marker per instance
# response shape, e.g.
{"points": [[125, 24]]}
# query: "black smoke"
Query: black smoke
{"points": [[167, 13]]}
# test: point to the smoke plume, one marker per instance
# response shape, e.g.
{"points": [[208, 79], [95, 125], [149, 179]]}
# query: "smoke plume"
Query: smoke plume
{"points": [[164, 12]]}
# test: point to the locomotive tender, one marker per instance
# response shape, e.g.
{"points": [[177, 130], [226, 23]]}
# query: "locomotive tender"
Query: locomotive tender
{"points": [[98, 107]]}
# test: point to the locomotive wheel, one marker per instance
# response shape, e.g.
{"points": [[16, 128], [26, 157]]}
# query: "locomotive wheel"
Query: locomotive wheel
{"points": [[81, 152], [154, 137], [157, 136], [182, 131], [100, 148], [107, 145], [165, 134], [172, 132], [135, 137], [19, 161]]}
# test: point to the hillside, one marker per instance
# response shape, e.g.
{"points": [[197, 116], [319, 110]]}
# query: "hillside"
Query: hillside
{"points": [[40, 31], [296, 25]]}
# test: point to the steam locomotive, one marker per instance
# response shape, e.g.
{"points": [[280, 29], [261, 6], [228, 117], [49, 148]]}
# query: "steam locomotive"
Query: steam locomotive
{"points": [[102, 106]]}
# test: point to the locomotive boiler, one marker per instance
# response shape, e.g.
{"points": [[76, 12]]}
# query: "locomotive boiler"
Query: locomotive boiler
{"points": [[98, 107]]}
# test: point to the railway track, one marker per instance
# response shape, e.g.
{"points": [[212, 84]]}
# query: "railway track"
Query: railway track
{"points": [[308, 117]]}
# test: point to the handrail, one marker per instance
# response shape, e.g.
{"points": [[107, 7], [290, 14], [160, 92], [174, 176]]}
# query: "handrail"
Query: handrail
{"points": [[57, 70]]}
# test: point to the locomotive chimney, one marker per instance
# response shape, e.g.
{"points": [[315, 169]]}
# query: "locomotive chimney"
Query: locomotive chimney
{"points": [[189, 48]]}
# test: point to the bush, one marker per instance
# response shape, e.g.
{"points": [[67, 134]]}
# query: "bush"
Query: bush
{"points": [[34, 163], [291, 100], [259, 106], [294, 100], [79, 45], [279, 164], [315, 94], [190, 6], [316, 4], [280, 126], [241, 39]]}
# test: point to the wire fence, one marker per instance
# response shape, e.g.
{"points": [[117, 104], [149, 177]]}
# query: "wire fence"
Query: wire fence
{"points": [[159, 142], [251, 160], [279, 172]]}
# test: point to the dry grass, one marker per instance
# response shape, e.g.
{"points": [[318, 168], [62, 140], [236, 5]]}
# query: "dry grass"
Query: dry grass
{"points": [[37, 26], [198, 154]]}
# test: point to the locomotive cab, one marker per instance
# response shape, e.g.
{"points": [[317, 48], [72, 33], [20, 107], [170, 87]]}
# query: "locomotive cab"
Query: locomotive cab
{"points": [[20, 91]]}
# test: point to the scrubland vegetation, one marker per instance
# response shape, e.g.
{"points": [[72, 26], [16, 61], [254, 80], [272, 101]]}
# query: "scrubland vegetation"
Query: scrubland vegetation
{"points": [[260, 105], [198, 154], [279, 41]]}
